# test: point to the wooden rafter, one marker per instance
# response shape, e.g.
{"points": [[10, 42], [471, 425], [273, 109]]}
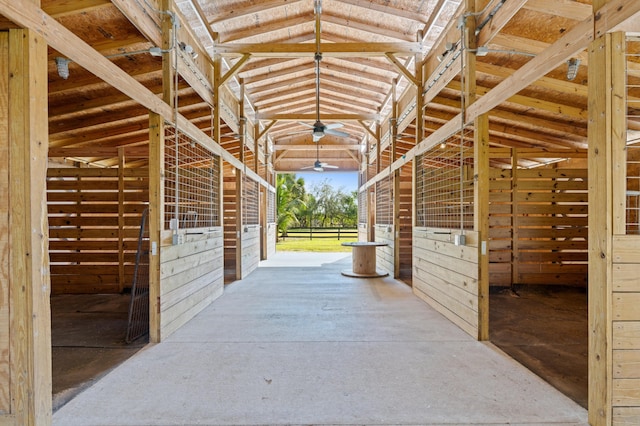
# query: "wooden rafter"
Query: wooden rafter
{"points": [[328, 49]]}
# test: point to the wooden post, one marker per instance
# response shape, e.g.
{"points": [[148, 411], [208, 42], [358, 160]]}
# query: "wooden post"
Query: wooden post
{"points": [[481, 219], [156, 220], [515, 222], [239, 224], [121, 222], [23, 80], [606, 127]]}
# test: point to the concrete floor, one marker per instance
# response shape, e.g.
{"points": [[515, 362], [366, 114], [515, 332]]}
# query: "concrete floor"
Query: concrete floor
{"points": [[307, 345]]}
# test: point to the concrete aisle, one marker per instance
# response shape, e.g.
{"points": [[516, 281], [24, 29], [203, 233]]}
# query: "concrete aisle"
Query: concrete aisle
{"points": [[306, 345]]}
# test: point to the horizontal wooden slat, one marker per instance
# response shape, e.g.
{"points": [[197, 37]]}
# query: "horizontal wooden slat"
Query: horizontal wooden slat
{"points": [[626, 392], [626, 416], [626, 364], [625, 306], [626, 277]]}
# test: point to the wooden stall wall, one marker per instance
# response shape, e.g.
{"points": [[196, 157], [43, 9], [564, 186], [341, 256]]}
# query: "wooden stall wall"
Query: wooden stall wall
{"points": [[191, 265], [94, 222], [405, 221], [192, 276], [624, 283], [272, 226], [250, 232], [230, 212], [384, 228], [538, 226], [445, 275]]}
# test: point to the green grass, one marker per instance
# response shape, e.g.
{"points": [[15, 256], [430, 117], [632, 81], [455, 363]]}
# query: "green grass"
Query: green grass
{"points": [[317, 244]]}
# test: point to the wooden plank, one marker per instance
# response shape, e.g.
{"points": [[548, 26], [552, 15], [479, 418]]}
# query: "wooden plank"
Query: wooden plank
{"points": [[626, 277], [626, 364], [5, 247], [625, 392], [626, 334], [626, 416], [625, 306], [470, 329], [626, 248]]}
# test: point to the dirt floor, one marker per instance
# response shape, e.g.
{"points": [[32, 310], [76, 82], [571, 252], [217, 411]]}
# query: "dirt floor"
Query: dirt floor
{"points": [[87, 336], [545, 328]]}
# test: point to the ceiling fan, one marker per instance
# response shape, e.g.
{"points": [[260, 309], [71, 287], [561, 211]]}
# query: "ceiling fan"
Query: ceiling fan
{"points": [[318, 165], [319, 128]]}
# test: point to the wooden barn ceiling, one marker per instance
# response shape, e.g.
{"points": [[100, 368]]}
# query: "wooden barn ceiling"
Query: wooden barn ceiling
{"points": [[368, 47]]}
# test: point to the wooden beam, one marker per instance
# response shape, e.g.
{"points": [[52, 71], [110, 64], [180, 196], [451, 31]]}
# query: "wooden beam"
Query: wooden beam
{"points": [[307, 147], [617, 15], [403, 70], [568, 45], [566, 8], [235, 69], [354, 24], [366, 127], [308, 50], [312, 117], [404, 13], [235, 12], [58, 9], [265, 28], [266, 129]]}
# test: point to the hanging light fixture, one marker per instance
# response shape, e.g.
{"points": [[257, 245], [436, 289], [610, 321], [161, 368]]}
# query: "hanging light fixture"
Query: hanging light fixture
{"points": [[572, 68], [62, 64]]}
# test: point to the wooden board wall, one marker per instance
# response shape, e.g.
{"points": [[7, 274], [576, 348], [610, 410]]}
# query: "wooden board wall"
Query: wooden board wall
{"points": [[250, 249], [230, 226], [94, 220], [405, 220], [192, 276], [272, 231], [446, 276], [538, 227], [385, 254]]}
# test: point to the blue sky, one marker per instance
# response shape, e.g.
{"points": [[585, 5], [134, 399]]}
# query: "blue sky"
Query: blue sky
{"points": [[347, 181]]}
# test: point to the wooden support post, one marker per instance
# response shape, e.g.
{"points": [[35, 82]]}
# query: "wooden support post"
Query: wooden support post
{"points": [[378, 147], [481, 219], [515, 219], [606, 78], [419, 96], [121, 222], [24, 137], [156, 220], [396, 223], [239, 222]]}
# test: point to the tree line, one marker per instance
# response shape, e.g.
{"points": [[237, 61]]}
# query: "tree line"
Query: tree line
{"points": [[322, 207]]}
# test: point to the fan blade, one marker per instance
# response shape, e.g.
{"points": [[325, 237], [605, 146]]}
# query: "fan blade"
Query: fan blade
{"points": [[337, 133], [305, 124], [307, 167], [329, 166], [316, 138], [333, 125], [318, 169]]}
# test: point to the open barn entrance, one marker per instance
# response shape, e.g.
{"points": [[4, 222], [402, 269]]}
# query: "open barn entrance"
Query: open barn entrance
{"points": [[538, 268], [98, 249]]}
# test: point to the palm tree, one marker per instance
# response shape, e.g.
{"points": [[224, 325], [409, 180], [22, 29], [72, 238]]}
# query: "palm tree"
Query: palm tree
{"points": [[291, 197]]}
